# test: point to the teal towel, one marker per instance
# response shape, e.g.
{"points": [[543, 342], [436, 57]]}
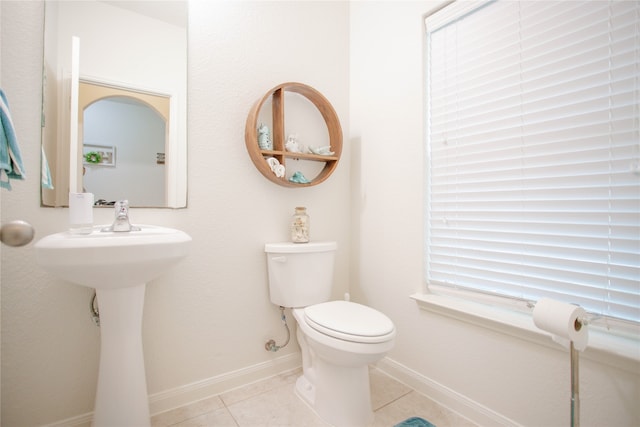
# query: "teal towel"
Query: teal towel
{"points": [[415, 422], [10, 159], [47, 182]]}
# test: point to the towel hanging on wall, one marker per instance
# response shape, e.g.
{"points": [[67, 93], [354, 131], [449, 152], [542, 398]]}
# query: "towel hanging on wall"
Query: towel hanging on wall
{"points": [[10, 159], [47, 182]]}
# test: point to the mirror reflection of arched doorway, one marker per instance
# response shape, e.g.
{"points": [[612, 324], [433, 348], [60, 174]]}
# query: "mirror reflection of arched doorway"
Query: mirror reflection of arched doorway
{"points": [[129, 131]]}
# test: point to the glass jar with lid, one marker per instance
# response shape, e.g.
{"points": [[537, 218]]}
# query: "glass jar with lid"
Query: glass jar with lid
{"points": [[300, 226]]}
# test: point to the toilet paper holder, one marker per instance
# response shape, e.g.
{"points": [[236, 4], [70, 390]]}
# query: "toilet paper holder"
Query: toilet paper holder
{"points": [[551, 316], [575, 387]]}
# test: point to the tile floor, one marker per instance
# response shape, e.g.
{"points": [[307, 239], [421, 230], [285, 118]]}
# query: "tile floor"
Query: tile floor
{"points": [[273, 402]]}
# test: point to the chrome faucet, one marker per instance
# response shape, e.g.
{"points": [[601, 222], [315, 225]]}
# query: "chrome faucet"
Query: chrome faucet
{"points": [[121, 221]]}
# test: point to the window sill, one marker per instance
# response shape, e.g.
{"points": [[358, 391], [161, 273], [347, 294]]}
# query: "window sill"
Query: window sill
{"points": [[604, 347]]}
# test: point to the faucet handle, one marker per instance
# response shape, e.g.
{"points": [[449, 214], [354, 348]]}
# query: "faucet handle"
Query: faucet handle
{"points": [[121, 221], [122, 208]]}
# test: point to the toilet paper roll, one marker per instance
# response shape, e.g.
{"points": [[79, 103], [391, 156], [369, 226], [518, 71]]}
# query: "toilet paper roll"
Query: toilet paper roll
{"points": [[564, 322]]}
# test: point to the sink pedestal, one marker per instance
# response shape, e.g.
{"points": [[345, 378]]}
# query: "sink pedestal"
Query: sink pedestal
{"points": [[118, 265], [121, 398]]}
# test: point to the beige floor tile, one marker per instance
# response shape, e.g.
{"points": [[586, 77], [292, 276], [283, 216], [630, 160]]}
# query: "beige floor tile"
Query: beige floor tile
{"points": [[218, 418], [259, 387], [384, 389], [183, 413], [415, 404], [279, 407], [273, 402]]}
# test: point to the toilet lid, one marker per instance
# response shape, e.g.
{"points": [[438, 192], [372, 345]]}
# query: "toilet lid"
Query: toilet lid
{"points": [[350, 321]]}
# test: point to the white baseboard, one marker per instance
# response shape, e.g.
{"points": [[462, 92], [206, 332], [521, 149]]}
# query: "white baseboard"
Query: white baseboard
{"points": [[193, 392], [77, 421], [189, 393], [470, 409]]}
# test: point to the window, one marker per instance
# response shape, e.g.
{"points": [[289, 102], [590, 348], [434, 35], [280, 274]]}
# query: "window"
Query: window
{"points": [[533, 151]]}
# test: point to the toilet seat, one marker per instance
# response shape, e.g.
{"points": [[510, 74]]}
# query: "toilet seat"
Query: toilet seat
{"points": [[349, 321]]}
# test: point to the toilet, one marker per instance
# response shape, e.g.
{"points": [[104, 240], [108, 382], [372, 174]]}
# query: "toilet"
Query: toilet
{"points": [[338, 339]]}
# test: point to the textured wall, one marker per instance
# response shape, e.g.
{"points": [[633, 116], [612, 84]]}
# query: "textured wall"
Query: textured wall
{"points": [[210, 315]]}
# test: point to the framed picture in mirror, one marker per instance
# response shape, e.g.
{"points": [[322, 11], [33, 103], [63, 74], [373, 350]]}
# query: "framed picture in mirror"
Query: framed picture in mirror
{"points": [[99, 155]]}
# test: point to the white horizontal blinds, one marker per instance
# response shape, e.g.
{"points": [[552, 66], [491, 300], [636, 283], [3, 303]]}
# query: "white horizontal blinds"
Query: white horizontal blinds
{"points": [[533, 134]]}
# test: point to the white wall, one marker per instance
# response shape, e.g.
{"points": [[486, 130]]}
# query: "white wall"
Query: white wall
{"points": [[211, 315], [483, 373], [154, 50]]}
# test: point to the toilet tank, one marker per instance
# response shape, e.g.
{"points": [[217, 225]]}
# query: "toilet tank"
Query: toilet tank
{"points": [[300, 274]]}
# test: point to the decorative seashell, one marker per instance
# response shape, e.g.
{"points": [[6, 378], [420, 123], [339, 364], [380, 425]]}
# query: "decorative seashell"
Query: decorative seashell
{"points": [[293, 147], [276, 167], [299, 178], [279, 171], [264, 139], [272, 162], [292, 144], [322, 151]]}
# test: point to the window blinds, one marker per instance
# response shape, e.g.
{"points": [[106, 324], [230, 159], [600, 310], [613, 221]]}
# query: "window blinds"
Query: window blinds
{"points": [[533, 173]]}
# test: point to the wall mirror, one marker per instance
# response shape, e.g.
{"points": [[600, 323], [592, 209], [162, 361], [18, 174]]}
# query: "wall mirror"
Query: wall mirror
{"points": [[126, 84]]}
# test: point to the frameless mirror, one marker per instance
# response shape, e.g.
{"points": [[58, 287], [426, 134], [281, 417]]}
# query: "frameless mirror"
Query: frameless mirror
{"points": [[131, 106]]}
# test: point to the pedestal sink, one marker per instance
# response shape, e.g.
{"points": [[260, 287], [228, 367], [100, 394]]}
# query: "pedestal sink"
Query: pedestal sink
{"points": [[118, 265]]}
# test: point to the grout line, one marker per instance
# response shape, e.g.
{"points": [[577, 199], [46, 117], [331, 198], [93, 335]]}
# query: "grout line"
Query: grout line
{"points": [[395, 400], [235, 421], [281, 375]]}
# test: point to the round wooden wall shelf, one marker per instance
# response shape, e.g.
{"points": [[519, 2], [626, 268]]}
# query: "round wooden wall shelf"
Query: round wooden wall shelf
{"points": [[259, 156]]}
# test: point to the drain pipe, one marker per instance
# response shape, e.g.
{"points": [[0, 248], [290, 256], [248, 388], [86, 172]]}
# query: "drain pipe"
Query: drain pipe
{"points": [[271, 344]]}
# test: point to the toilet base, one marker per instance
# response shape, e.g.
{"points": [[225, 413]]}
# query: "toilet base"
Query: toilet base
{"points": [[341, 395], [305, 390]]}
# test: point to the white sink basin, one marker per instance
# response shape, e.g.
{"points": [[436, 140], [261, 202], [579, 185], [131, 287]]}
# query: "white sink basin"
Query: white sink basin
{"points": [[112, 259], [118, 265]]}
